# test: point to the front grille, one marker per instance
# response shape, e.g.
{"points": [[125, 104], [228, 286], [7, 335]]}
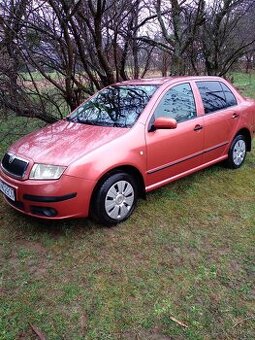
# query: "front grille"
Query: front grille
{"points": [[14, 165]]}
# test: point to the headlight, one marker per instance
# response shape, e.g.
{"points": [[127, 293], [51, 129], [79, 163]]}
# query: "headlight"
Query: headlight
{"points": [[45, 171]]}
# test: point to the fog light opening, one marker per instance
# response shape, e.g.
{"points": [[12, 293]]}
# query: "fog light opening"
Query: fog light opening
{"points": [[44, 211]]}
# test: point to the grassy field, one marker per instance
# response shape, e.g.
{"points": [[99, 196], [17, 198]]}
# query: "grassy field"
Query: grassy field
{"points": [[182, 267]]}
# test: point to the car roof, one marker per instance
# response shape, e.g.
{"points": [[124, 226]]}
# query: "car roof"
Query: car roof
{"points": [[164, 80]]}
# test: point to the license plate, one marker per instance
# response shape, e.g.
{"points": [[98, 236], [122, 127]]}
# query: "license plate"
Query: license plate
{"points": [[7, 190]]}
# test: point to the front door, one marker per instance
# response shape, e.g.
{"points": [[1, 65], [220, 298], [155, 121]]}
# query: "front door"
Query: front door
{"points": [[172, 152]]}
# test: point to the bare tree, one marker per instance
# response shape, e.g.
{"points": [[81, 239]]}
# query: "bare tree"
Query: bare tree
{"points": [[76, 47], [16, 94], [224, 35], [203, 36], [179, 21], [55, 53]]}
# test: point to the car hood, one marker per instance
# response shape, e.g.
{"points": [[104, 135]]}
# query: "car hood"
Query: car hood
{"points": [[64, 142]]}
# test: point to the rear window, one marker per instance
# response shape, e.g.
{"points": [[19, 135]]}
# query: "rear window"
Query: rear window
{"points": [[215, 96]]}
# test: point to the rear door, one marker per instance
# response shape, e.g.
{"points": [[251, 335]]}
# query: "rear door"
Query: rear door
{"points": [[220, 120]]}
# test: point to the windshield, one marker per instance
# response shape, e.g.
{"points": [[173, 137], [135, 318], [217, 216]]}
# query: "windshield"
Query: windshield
{"points": [[118, 106]]}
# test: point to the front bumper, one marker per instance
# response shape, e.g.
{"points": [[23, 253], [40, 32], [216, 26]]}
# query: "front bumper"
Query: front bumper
{"points": [[56, 199]]}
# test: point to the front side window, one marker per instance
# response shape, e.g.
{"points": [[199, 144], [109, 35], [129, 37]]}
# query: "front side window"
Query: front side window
{"points": [[177, 103], [215, 96], [117, 106]]}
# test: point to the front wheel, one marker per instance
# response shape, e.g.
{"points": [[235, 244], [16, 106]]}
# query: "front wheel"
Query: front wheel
{"points": [[237, 152], [115, 199]]}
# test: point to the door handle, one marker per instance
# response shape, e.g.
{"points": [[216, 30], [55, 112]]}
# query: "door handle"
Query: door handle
{"points": [[198, 127], [235, 115]]}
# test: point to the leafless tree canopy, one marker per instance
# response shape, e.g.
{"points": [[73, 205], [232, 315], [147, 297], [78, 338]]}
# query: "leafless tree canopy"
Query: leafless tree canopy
{"points": [[54, 53]]}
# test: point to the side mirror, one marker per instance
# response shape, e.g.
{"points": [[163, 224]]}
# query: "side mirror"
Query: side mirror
{"points": [[165, 123]]}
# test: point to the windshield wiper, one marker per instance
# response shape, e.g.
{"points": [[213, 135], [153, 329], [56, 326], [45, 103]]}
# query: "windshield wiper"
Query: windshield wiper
{"points": [[88, 122]]}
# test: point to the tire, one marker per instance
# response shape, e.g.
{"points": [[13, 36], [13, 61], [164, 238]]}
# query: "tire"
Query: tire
{"points": [[237, 152], [115, 199]]}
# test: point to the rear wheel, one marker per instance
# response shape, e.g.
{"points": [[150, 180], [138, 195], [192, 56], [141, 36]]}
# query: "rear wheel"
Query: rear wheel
{"points": [[237, 152], [115, 199]]}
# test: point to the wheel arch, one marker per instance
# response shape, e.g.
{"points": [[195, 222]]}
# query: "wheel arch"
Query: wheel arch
{"points": [[246, 133], [129, 169]]}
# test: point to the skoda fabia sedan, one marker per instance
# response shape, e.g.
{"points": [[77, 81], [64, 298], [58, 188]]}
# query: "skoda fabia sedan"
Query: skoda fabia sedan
{"points": [[126, 140]]}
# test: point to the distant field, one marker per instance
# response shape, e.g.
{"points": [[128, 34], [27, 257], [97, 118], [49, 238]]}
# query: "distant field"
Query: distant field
{"points": [[245, 82], [37, 76], [186, 255]]}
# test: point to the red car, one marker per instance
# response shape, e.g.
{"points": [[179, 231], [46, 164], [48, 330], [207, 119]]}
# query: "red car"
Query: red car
{"points": [[126, 140]]}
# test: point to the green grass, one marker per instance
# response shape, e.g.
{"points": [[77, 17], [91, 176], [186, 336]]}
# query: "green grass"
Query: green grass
{"points": [[12, 128], [245, 82], [187, 252]]}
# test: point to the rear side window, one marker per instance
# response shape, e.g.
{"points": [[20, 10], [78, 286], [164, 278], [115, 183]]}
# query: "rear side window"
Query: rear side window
{"points": [[215, 96], [230, 98], [177, 103]]}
